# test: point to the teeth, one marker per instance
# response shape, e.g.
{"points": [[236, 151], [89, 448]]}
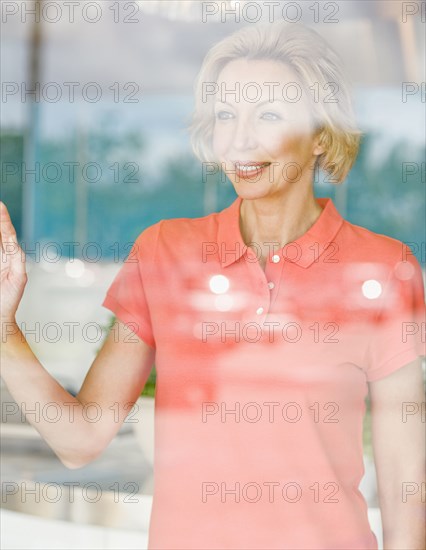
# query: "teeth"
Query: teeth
{"points": [[250, 168]]}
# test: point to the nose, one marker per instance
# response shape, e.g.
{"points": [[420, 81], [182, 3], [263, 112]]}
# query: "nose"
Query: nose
{"points": [[244, 136]]}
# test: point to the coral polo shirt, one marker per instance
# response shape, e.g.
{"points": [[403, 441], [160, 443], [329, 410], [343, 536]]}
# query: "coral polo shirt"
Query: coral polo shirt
{"points": [[262, 375]]}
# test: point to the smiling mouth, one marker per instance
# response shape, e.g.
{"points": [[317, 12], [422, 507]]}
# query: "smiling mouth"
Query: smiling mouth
{"points": [[249, 169]]}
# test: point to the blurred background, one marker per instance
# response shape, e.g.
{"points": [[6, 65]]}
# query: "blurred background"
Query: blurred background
{"points": [[96, 100]]}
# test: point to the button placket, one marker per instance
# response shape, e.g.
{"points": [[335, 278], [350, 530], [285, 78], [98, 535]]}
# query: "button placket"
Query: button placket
{"points": [[273, 273], [259, 307]]}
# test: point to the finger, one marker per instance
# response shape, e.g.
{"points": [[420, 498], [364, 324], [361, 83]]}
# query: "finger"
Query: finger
{"points": [[6, 227], [9, 241], [2, 206]]}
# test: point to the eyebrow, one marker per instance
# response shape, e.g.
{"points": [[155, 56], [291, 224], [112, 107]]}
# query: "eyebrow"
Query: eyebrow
{"points": [[259, 104]]}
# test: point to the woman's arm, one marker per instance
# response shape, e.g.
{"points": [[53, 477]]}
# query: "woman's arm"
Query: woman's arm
{"points": [[399, 445], [86, 423]]}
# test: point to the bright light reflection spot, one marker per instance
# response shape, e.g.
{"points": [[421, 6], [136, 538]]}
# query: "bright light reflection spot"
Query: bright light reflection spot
{"points": [[219, 284], [371, 289], [223, 303], [74, 268]]}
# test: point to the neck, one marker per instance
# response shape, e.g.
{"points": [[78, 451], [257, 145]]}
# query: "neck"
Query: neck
{"points": [[278, 219]]}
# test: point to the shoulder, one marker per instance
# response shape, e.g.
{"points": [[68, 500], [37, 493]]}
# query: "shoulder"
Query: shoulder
{"points": [[189, 227], [178, 233], [362, 244], [379, 258]]}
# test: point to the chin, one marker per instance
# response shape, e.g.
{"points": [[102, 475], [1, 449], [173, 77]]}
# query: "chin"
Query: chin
{"points": [[250, 190], [257, 189]]}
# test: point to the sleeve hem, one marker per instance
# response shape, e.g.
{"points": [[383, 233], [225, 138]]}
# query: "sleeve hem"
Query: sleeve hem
{"points": [[123, 315], [393, 364]]}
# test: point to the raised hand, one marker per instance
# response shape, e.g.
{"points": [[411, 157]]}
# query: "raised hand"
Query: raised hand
{"points": [[13, 275]]}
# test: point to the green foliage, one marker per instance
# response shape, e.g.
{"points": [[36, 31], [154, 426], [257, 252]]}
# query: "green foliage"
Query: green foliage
{"points": [[381, 197], [149, 389], [366, 432]]}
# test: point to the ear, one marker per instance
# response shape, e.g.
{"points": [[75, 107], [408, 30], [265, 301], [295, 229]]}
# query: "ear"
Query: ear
{"points": [[319, 148]]}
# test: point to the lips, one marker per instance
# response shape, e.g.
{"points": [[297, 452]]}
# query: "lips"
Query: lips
{"points": [[249, 169]]}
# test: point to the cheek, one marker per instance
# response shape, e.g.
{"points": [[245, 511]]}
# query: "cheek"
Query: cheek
{"points": [[285, 144], [221, 139]]}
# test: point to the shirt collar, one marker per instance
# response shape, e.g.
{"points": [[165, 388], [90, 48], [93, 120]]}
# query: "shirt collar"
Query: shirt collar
{"points": [[303, 251]]}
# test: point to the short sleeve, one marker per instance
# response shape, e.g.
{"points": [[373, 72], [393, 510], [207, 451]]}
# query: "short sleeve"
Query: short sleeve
{"points": [[127, 295], [398, 332]]}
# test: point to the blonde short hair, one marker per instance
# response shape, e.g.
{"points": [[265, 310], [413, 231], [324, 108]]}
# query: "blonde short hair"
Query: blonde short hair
{"points": [[313, 61]]}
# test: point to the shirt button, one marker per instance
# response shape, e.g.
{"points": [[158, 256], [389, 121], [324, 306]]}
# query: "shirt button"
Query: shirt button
{"points": [[271, 285], [275, 258], [259, 310]]}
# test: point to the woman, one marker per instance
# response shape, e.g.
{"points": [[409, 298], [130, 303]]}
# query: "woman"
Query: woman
{"points": [[269, 322]]}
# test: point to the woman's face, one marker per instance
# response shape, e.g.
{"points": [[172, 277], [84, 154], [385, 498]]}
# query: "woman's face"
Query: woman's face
{"points": [[265, 123]]}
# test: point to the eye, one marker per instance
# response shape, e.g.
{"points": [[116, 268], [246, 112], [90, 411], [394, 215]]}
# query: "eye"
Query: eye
{"points": [[223, 115], [270, 116]]}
